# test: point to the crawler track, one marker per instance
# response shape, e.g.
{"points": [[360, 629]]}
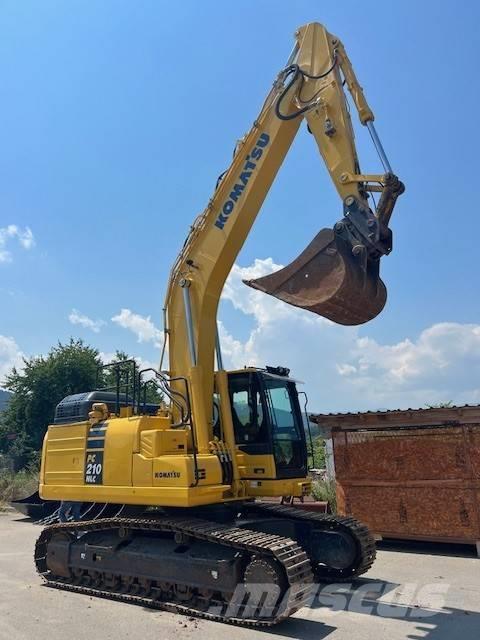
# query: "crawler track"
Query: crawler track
{"points": [[359, 533], [283, 552]]}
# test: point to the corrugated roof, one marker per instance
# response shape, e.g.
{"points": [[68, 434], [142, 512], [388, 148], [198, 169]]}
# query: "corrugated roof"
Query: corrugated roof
{"points": [[457, 414], [384, 411]]}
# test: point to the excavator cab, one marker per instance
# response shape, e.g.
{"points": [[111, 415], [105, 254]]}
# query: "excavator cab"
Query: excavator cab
{"points": [[267, 422]]}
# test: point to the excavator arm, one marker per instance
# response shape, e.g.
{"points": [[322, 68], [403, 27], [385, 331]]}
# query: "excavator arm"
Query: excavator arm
{"points": [[337, 276]]}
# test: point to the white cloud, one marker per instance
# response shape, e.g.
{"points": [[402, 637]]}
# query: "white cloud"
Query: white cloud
{"points": [[232, 349], [10, 356], [141, 326], [442, 364], [106, 357], [343, 370], [11, 232], [346, 369], [26, 238], [76, 317]]}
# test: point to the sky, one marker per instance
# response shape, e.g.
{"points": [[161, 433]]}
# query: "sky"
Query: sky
{"points": [[116, 117]]}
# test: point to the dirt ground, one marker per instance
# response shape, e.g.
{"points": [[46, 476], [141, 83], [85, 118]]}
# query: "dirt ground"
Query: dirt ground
{"points": [[410, 593]]}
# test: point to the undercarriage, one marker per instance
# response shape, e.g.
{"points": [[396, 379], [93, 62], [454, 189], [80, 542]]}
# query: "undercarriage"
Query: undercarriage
{"points": [[253, 566]]}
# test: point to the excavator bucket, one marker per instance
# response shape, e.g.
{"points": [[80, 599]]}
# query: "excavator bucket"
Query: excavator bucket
{"points": [[328, 279]]}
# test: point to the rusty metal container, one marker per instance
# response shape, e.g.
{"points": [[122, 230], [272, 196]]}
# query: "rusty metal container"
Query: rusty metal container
{"points": [[411, 474]]}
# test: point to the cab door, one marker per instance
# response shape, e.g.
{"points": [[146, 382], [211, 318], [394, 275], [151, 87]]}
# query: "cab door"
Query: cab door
{"points": [[286, 427], [250, 421]]}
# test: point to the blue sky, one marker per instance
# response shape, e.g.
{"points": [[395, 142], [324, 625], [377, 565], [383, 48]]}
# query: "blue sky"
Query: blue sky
{"points": [[117, 117]]}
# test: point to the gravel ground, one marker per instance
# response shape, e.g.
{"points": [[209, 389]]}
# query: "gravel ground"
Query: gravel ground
{"points": [[408, 595]]}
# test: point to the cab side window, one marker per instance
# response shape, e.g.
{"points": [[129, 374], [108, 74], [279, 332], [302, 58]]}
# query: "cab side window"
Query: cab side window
{"points": [[247, 411]]}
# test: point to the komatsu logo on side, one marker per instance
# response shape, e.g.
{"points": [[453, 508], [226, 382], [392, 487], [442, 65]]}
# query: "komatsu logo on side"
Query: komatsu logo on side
{"points": [[167, 474], [243, 179]]}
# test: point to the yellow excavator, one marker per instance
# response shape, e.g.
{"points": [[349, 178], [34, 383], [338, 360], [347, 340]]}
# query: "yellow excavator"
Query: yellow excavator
{"points": [[182, 526]]}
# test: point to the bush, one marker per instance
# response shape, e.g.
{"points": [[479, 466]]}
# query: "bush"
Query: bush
{"points": [[17, 485], [325, 491], [317, 460]]}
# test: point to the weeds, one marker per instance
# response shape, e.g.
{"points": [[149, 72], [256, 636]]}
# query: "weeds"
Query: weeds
{"points": [[325, 491], [17, 485]]}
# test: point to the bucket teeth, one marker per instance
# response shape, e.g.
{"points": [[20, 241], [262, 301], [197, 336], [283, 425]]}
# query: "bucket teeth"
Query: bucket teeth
{"points": [[330, 279]]}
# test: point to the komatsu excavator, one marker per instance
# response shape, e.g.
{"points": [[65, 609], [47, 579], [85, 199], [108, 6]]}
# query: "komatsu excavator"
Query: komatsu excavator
{"points": [[183, 527]]}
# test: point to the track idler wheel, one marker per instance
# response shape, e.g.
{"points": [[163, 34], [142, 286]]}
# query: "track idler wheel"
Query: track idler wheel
{"points": [[264, 587]]}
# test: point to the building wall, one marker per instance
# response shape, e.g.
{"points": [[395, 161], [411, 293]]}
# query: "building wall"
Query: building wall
{"points": [[408, 480]]}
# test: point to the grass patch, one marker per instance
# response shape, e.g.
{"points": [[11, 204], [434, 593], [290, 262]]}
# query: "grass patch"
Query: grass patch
{"points": [[17, 485], [325, 491]]}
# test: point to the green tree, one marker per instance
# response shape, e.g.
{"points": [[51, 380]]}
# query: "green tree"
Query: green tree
{"points": [[37, 389]]}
